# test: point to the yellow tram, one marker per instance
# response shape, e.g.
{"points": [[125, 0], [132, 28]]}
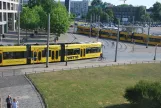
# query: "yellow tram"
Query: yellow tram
{"points": [[12, 55]]}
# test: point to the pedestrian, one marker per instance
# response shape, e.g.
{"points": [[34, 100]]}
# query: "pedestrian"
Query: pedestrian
{"points": [[9, 101], [15, 103]]}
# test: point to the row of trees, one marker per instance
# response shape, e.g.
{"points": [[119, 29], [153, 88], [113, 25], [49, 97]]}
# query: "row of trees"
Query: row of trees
{"points": [[98, 8], [34, 16]]}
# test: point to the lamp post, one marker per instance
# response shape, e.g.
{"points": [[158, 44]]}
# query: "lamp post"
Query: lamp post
{"points": [[47, 57], [118, 33], [155, 52], [148, 33]]}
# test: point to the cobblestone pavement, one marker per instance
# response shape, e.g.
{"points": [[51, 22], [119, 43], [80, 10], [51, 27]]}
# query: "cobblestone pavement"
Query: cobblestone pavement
{"points": [[18, 87]]}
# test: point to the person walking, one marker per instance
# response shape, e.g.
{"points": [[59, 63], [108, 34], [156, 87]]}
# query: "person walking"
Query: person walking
{"points": [[9, 101], [15, 103]]}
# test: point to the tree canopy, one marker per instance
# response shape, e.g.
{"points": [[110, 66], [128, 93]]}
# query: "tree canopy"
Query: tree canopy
{"points": [[35, 16], [29, 18], [59, 19], [156, 11], [96, 2]]}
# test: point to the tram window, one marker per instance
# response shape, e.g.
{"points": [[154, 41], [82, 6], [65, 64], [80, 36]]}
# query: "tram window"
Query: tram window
{"points": [[44, 53], [154, 40], [114, 34], [69, 52], [0, 58], [76, 51], [52, 57], [57, 54], [35, 56], [13, 55], [87, 30], [39, 56], [93, 50], [88, 50], [122, 35], [138, 38]]}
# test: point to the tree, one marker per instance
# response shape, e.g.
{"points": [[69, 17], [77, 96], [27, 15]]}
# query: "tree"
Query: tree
{"points": [[145, 17], [94, 12], [156, 10], [42, 15], [59, 19], [110, 13], [29, 18], [116, 20], [32, 3], [140, 11], [104, 17], [96, 3]]}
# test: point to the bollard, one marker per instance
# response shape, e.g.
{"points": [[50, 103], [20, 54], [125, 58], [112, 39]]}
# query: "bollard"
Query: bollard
{"points": [[53, 70], [62, 69], [25, 73], [124, 64], [44, 70], [136, 62], [35, 71], [142, 62], [92, 65], [78, 67], [70, 68], [118, 64], [99, 66], [85, 66]]}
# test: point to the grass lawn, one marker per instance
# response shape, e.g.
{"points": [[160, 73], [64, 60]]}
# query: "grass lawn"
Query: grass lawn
{"points": [[93, 88]]}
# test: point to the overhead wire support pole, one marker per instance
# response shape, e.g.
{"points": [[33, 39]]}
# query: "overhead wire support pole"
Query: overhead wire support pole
{"points": [[118, 33], [47, 56], [148, 34], [98, 27], [90, 26], [19, 24], [155, 52]]}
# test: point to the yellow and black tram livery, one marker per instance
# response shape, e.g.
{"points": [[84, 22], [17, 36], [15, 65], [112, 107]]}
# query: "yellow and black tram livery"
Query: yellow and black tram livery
{"points": [[35, 54]]}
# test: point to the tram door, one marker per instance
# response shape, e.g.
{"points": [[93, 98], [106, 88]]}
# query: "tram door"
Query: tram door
{"points": [[0, 57], [55, 55], [83, 53], [37, 55]]}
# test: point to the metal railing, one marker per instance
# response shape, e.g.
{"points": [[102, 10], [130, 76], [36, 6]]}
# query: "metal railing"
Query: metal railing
{"points": [[15, 72]]}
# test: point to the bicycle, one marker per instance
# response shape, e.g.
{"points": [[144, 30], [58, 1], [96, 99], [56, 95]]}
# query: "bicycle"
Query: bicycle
{"points": [[101, 58]]}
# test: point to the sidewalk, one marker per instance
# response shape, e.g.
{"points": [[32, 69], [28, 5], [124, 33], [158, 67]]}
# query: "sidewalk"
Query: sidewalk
{"points": [[38, 68]]}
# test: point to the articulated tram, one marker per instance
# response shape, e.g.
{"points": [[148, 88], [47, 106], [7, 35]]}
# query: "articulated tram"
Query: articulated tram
{"points": [[124, 36], [29, 54]]}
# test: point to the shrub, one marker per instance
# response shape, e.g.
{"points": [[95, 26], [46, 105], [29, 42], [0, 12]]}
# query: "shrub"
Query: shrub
{"points": [[145, 94]]}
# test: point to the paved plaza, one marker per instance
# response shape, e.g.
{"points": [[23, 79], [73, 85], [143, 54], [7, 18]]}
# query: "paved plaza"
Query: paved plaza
{"points": [[13, 81]]}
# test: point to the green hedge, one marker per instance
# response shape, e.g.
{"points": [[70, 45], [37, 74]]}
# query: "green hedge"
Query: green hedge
{"points": [[145, 94]]}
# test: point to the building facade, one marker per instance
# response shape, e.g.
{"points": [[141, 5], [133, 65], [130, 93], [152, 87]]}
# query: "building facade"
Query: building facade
{"points": [[78, 8], [8, 15], [125, 14]]}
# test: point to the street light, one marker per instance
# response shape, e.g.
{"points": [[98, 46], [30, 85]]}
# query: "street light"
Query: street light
{"points": [[118, 33], [155, 52], [148, 33]]}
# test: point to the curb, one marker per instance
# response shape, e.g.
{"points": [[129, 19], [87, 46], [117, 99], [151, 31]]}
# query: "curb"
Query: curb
{"points": [[42, 100]]}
